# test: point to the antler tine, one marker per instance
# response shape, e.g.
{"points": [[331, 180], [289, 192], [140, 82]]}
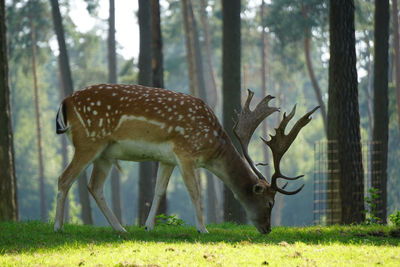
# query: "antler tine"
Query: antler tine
{"points": [[247, 123], [280, 143]]}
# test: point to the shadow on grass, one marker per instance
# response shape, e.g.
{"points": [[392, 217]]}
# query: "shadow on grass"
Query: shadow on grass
{"points": [[32, 236]]}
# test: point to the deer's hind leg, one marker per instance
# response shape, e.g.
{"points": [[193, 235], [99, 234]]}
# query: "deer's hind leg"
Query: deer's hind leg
{"points": [[80, 161], [101, 168]]}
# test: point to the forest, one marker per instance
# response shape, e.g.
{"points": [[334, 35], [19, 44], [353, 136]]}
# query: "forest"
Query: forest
{"points": [[288, 49]]}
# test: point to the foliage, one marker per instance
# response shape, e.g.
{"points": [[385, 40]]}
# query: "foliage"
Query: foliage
{"points": [[371, 199], [395, 218], [169, 220], [35, 243]]}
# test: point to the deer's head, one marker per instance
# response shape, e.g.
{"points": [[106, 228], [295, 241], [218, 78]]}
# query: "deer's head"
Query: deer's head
{"points": [[263, 192]]}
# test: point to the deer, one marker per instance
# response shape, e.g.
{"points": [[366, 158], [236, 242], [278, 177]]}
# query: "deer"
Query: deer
{"points": [[110, 122]]}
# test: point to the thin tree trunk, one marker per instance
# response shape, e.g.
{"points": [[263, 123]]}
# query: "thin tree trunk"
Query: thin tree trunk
{"points": [[43, 210], [264, 47], [116, 193], [86, 210], [194, 58], [64, 151], [310, 69], [395, 26], [213, 183], [369, 86], [112, 78], [146, 169], [8, 187], [158, 74], [381, 107], [68, 89], [212, 95], [231, 62], [190, 53]]}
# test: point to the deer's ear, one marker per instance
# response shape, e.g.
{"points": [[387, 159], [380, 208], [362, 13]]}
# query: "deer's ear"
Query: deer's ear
{"points": [[258, 188]]}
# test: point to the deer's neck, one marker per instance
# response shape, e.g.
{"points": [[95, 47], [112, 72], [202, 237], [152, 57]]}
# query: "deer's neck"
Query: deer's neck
{"points": [[230, 167]]}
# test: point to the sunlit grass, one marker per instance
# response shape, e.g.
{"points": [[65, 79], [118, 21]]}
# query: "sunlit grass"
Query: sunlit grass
{"points": [[34, 243]]}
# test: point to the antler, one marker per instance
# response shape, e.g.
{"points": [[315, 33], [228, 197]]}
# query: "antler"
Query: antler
{"points": [[247, 123], [280, 143]]}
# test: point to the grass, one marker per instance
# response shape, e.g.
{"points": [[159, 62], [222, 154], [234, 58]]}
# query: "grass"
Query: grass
{"points": [[35, 244]]}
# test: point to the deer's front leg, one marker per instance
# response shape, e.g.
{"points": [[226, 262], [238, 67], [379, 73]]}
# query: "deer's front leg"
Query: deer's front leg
{"points": [[193, 185], [101, 168], [163, 175]]}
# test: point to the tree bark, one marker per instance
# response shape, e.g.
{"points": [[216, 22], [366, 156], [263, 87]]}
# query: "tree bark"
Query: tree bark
{"points": [[8, 187], [112, 78], [158, 73], [68, 89], [343, 115], [381, 107], [146, 169], [231, 54], [395, 26], [43, 210]]}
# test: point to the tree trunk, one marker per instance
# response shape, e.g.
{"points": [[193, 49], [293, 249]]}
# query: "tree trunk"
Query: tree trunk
{"points": [[231, 46], [43, 210], [264, 47], [381, 107], [64, 151], [68, 89], [369, 85], [8, 187], [310, 69], [212, 94], [395, 26], [213, 183], [190, 48], [158, 73], [146, 169], [86, 210], [116, 193], [343, 115], [112, 78]]}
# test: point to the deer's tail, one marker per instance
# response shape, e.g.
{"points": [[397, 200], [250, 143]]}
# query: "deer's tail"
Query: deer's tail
{"points": [[61, 119]]}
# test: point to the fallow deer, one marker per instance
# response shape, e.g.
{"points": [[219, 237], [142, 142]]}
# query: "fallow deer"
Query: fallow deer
{"points": [[110, 122]]}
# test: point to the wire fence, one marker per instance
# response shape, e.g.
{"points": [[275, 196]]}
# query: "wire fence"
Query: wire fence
{"points": [[327, 209]]}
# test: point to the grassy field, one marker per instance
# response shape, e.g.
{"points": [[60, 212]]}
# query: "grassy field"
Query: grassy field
{"points": [[35, 244]]}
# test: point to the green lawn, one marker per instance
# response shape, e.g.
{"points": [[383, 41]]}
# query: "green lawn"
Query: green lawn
{"points": [[35, 244]]}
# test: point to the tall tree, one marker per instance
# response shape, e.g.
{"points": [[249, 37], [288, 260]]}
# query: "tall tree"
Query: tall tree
{"points": [[381, 106], [396, 58], [231, 55], [68, 89], [8, 192], [343, 115], [112, 78], [39, 146], [198, 87], [310, 68], [146, 169], [158, 71], [64, 147]]}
